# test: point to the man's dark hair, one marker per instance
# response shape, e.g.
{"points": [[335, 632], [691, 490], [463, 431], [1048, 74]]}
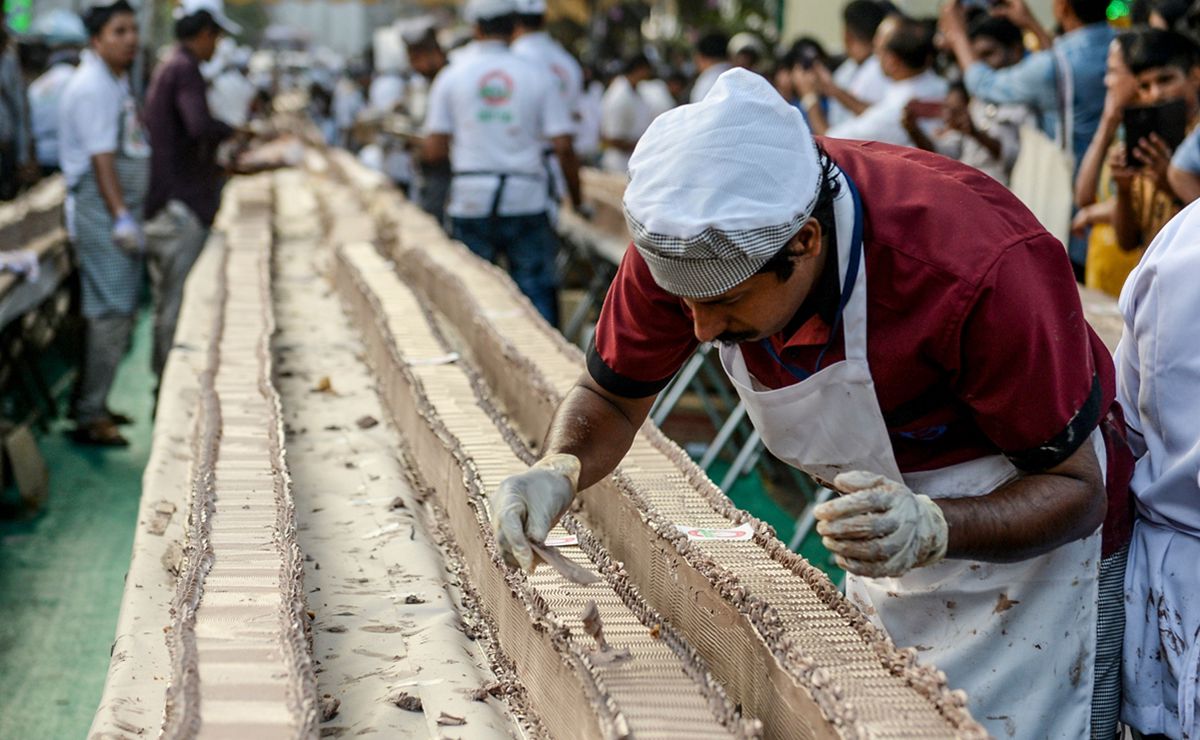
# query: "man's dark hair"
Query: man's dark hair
{"points": [[1001, 30], [911, 42], [191, 26], [783, 263], [427, 41], [1151, 48], [1172, 11], [862, 18], [501, 26], [532, 21], [1090, 11], [636, 62], [713, 45], [96, 18]]}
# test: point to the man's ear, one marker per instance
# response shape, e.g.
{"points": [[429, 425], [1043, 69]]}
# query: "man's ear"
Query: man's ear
{"points": [[808, 241]]}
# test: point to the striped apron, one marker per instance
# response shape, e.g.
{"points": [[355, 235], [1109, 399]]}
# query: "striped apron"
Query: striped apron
{"points": [[111, 278]]}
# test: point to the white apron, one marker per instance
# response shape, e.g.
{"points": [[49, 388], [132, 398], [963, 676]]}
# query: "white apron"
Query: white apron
{"points": [[1020, 638], [1161, 663]]}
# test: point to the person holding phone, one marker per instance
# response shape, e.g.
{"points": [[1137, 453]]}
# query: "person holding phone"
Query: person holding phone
{"points": [[1166, 65], [1040, 80], [982, 135], [1156, 74], [905, 51]]}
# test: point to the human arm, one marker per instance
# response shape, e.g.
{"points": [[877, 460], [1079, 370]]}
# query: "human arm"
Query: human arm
{"points": [[1184, 172], [1124, 218], [1088, 178], [910, 123], [826, 86], [1019, 14], [564, 149], [1031, 515], [1089, 216], [808, 85], [882, 528], [1185, 185], [439, 123], [191, 102], [104, 166], [1030, 81], [630, 361], [435, 148]]}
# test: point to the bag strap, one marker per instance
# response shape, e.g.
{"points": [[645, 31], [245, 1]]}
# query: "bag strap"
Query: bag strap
{"points": [[1064, 92]]}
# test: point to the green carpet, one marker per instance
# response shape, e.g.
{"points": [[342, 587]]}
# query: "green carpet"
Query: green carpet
{"points": [[62, 571]]}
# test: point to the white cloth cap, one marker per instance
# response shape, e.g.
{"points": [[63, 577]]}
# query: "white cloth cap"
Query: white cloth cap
{"points": [[482, 10], [215, 8], [531, 7], [716, 188]]}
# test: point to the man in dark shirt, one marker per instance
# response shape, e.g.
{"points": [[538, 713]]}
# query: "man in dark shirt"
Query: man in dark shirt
{"points": [[185, 180]]}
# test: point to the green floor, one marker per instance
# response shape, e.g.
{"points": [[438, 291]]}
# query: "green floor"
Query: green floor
{"points": [[62, 571]]}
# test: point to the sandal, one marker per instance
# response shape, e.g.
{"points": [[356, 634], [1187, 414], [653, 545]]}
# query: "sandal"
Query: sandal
{"points": [[118, 418], [101, 433]]}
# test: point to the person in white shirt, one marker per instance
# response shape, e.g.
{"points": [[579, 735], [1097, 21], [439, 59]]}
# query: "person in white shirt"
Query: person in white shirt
{"points": [[425, 55], [45, 93], [531, 42], [230, 92], [105, 159], [587, 132], [490, 112], [905, 51], [1158, 372], [858, 82], [657, 94], [386, 91], [349, 99], [624, 115], [711, 61]]}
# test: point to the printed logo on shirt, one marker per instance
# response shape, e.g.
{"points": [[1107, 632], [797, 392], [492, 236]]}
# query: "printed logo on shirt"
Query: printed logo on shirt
{"points": [[495, 90]]}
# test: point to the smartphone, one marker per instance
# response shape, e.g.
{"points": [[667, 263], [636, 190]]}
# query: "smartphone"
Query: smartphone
{"points": [[1168, 120], [928, 108]]}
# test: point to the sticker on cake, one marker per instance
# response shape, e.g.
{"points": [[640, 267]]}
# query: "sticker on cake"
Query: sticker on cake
{"points": [[744, 533]]}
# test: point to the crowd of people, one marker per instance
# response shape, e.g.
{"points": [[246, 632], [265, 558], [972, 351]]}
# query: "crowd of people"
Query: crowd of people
{"points": [[986, 84], [142, 172]]}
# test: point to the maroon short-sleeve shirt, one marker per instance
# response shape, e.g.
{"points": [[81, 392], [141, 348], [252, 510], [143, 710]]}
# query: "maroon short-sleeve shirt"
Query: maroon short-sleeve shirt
{"points": [[976, 338]]}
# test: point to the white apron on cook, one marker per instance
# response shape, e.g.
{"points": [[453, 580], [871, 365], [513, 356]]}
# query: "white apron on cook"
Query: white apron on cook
{"points": [[1018, 637]]}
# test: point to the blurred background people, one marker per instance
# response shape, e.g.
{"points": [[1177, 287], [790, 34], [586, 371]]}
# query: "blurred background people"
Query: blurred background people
{"points": [[711, 60], [625, 114], [185, 177], [105, 158], [64, 35]]}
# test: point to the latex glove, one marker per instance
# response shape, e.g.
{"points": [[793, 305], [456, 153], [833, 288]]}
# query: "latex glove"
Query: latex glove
{"points": [[880, 528], [22, 262], [127, 234], [525, 506]]}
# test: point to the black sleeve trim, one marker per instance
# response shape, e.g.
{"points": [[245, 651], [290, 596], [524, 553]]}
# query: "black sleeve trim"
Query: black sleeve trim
{"points": [[1064, 444], [617, 384]]}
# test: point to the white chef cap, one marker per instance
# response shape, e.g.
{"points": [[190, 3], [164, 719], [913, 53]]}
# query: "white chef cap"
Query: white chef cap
{"points": [[482, 10], [718, 187], [531, 7]]}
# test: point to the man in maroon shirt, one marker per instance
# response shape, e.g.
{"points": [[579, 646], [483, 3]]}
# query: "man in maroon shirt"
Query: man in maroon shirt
{"points": [[185, 180], [963, 399]]}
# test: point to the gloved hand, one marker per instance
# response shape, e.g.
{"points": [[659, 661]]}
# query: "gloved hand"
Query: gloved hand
{"points": [[525, 506], [880, 528], [127, 234]]}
